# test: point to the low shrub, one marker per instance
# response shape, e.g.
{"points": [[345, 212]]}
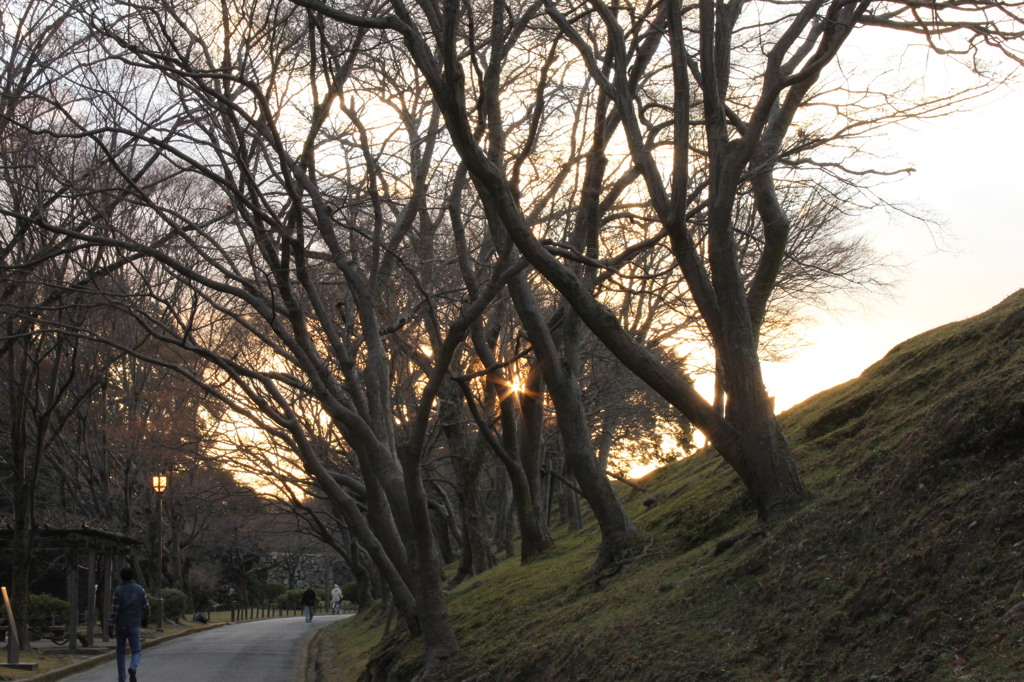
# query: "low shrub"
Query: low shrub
{"points": [[274, 590], [291, 600], [46, 607], [176, 604]]}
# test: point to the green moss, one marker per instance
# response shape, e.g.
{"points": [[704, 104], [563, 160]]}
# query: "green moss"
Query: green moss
{"points": [[340, 651]]}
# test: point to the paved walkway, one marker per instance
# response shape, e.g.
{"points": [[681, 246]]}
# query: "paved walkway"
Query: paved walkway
{"points": [[256, 651]]}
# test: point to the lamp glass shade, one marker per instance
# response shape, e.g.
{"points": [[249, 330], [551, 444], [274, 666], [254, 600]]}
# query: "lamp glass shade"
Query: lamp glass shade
{"points": [[159, 483]]}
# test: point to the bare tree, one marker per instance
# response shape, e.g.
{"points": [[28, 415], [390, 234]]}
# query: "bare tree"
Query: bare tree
{"points": [[300, 259], [281, 193], [703, 98]]}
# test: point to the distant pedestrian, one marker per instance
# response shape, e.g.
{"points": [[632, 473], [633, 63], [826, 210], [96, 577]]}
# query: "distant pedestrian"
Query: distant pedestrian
{"points": [[336, 599], [308, 603], [129, 614]]}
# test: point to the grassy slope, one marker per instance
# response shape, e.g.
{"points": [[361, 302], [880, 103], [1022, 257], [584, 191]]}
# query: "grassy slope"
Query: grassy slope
{"points": [[907, 565]]}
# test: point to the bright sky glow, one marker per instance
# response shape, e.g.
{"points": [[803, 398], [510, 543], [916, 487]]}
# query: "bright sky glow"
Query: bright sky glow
{"points": [[968, 178]]}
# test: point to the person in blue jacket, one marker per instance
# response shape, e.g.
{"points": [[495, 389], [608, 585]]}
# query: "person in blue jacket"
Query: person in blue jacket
{"points": [[130, 613]]}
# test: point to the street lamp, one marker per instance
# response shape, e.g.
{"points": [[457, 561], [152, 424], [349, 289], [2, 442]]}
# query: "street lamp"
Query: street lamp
{"points": [[159, 486]]}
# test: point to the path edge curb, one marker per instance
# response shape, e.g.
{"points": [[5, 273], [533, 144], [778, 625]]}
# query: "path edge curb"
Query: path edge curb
{"points": [[99, 659]]}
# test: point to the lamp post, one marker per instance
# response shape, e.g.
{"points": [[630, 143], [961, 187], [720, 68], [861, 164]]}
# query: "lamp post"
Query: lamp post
{"points": [[159, 486]]}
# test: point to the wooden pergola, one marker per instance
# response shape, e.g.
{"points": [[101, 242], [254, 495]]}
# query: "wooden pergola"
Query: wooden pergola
{"points": [[102, 553]]}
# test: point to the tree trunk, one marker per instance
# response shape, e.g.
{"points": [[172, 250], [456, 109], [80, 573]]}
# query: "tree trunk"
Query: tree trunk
{"points": [[347, 508], [21, 553], [442, 536], [761, 455], [468, 462], [379, 512], [436, 626], [23, 486], [617, 530], [536, 536], [362, 576], [503, 518], [477, 556], [521, 418], [570, 503]]}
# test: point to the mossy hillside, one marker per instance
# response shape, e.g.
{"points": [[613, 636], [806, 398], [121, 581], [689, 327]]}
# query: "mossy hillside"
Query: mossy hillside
{"points": [[339, 653], [906, 565]]}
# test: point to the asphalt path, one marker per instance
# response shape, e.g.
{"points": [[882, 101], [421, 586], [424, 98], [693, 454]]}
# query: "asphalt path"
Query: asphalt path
{"points": [[257, 651]]}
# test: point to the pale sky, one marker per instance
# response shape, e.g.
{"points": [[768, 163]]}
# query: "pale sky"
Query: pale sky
{"points": [[969, 178]]}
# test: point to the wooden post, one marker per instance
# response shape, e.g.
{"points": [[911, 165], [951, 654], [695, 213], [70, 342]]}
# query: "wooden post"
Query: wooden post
{"points": [[72, 574], [90, 607], [107, 597]]}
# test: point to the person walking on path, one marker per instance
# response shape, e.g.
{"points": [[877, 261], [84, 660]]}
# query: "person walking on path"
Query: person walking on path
{"points": [[336, 600], [308, 603], [130, 613]]}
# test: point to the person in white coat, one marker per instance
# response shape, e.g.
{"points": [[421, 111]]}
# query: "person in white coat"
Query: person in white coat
{"points": [[336, 599]]}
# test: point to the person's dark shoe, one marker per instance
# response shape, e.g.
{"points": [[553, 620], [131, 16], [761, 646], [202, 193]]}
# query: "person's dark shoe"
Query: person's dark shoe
{"points": [[131, 675]]}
